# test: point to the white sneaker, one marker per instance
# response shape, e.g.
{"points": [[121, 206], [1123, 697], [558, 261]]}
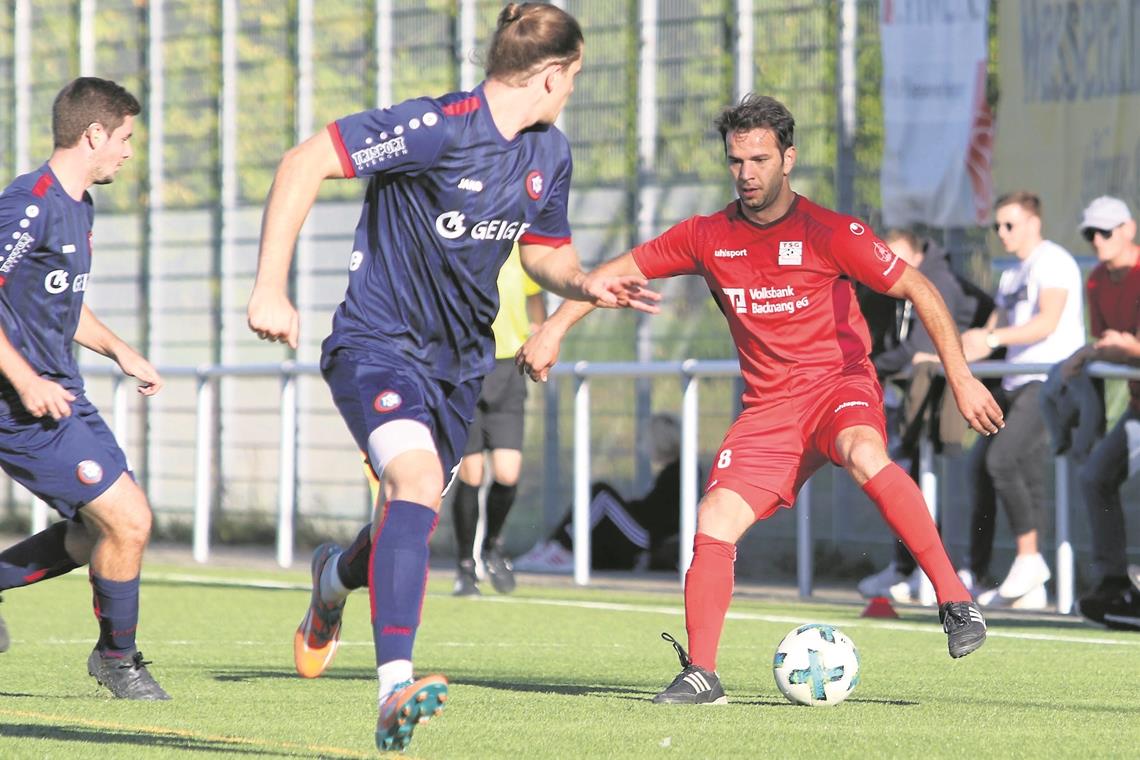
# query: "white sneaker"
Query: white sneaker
{"points": [[906, 590], [550, 557], [881, 582], [1134, 576], [1027, 573], [1036, 598], [968, 581]]}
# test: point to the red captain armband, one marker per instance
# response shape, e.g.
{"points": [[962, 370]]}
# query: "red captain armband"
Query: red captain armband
{"points": [[550, 242]]}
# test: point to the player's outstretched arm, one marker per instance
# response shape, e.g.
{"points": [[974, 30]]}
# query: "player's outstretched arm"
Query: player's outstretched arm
{"points": [[295, 187], [974, 401], [93, 334], [615, 284]]}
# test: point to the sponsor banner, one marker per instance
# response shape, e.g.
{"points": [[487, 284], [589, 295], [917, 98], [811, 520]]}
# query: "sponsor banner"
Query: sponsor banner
{"points": [[1070, 106], [938, 128]]}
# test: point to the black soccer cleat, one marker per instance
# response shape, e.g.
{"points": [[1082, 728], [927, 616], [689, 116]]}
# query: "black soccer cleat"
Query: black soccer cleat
{"points": [[126, 677], [693, 685], [1115, 603], [964, 625], [5, 641], [499, 570], [465, 581]]}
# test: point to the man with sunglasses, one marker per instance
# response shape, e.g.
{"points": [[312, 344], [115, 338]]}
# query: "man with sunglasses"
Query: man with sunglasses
{"points": [[1114, 313], [1038, 319]]}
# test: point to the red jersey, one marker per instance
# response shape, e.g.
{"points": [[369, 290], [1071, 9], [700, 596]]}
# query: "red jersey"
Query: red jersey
{"points": [[1115, 305], [782, 288]]}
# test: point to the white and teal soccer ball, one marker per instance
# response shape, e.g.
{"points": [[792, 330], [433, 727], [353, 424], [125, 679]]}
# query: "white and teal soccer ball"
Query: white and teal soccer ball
{"points": [[816, 665]]}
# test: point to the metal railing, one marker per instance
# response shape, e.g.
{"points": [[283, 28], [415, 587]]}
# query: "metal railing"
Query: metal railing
{"points": [[690, 372]]}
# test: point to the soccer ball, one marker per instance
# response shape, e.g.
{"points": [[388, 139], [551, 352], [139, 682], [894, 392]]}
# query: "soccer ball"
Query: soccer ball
{"points": [[816, 665]]}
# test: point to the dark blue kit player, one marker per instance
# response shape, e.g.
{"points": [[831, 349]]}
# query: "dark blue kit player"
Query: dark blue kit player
{"points": [[453, 183], [52, 439]]}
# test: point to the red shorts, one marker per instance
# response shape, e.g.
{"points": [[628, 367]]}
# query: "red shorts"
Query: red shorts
{"points": [[772, 449]]}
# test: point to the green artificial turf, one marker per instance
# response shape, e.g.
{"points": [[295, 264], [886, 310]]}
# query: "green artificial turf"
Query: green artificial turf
{"points": [[549, 673]]}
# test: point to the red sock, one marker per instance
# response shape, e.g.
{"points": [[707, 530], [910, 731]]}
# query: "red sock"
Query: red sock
{"points": [[903, 507], [708, 590]]}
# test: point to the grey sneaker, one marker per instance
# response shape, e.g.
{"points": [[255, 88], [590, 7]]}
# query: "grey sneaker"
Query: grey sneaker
{"points": [[693, 685], [126, 677]]}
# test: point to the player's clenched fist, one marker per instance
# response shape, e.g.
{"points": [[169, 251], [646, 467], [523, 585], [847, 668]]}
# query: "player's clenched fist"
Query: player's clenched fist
{"points": [[273, 318]]}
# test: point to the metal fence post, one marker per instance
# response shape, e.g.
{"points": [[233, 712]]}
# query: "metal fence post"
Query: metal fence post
{"points": [[287, 467], [928, 481], [203, 470], [581, 517], [690, 421], [1064, 544], [804, 561]]}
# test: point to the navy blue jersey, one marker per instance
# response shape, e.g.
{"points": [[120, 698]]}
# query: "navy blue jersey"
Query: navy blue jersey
{"points": [[447, 198], [45, 236]]}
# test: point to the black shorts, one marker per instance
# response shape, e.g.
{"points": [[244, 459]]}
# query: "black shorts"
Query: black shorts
{"points": [[499, 412]]}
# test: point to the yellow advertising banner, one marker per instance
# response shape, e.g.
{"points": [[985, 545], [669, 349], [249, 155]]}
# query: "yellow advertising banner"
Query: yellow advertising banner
{"points": [[1068, 117]]}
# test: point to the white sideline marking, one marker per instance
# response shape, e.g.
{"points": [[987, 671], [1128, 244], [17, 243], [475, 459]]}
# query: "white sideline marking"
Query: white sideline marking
{"points": [[1131, 641]]}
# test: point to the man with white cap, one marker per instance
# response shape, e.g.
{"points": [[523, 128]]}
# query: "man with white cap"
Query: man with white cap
{"points": [[1113, 290]]}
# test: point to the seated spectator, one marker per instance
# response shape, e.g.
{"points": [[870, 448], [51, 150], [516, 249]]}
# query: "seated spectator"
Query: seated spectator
{"points": [[900, 341], [1039, 319], [1113, 295], [638, 534]]}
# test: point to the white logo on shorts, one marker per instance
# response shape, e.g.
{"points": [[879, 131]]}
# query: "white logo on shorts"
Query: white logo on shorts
{"points": [[89, 472], [387, 401]]}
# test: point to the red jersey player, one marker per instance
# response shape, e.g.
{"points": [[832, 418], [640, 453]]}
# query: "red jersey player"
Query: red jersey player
{"points": [[781, 268]]}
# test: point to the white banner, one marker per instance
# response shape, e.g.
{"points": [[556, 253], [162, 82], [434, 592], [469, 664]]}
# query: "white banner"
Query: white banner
{"points": [[938, 127]]}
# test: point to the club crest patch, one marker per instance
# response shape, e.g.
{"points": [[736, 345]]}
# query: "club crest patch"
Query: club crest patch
{"points": [[534, 185], [89, 472], [387, 401]]}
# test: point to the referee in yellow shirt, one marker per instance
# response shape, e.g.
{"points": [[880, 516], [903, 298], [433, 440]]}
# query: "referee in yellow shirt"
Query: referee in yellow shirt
{"points": [[498, 428]]}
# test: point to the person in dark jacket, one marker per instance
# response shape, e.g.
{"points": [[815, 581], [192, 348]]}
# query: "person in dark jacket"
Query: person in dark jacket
{"points": [[634, 534], [900, 342]]}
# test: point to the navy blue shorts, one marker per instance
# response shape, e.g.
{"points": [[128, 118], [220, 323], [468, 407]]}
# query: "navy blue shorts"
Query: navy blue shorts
{"points": [[67, 462], [374, 390]]}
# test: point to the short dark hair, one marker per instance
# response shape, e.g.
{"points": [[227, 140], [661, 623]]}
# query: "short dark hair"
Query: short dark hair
{"points": [[86, 101], [1031, 202], [907, 236], [530, 36], [758, 112]]}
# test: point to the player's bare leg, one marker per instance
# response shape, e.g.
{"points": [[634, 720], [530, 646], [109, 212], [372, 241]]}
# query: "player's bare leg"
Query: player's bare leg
{"points": [[903, 507]]}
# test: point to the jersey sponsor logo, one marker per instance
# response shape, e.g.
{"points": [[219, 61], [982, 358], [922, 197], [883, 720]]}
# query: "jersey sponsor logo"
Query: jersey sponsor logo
{"points": [[882, 253], [378, 154], [737, 299], [57, 281], [723, 253], [452, 225], [16, 252], [766, 300], [791, 253], [89, 472], [534, 184], [387, 401], [857, 229], [473, 185], [848, 405]]}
